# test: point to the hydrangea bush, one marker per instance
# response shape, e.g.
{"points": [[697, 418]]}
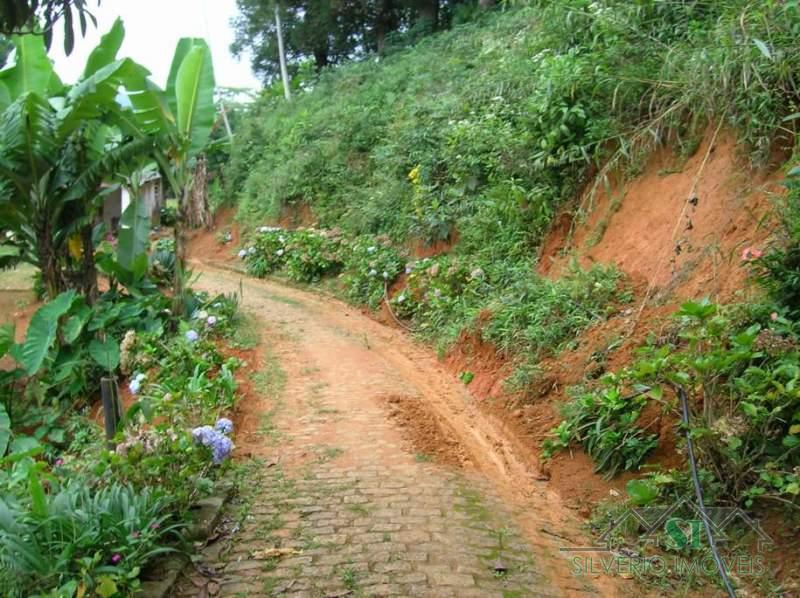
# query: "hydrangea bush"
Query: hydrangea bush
{"points": [[216, 438], [370, 265]]}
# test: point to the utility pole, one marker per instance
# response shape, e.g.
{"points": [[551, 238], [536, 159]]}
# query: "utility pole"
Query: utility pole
{"points": [[282, 54]]}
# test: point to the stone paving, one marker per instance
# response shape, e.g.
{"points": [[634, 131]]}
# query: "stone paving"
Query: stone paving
{"points": [[413, 530], [338, 504]]}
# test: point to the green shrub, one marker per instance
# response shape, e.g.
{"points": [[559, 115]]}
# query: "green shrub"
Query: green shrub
{"points": [[266, 251], [740, 368], [606, 424], [76, 537], [162, 262], [534, 315], [310, 255], [168, 215], [370, 264], [777, 268]]}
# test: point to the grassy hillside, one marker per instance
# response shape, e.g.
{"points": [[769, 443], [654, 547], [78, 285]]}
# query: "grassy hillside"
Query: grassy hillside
{"points": [[479, 135], [485, 129]]}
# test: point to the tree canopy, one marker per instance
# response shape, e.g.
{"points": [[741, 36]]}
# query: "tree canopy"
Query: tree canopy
{"points": [[327, 32], [40, 16]]}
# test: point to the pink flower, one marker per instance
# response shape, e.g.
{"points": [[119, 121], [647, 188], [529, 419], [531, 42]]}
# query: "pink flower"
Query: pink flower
{"points": [[155, 525], [751, 253], [116, 558], [773, 316], [59, 462]]}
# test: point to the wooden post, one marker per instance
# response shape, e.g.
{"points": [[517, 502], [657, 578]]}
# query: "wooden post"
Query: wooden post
{"points": [[282, 54], [112, 410]]}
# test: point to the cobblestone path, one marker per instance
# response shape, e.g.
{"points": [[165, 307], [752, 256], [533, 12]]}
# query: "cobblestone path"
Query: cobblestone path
{"points": [[336, 501]]}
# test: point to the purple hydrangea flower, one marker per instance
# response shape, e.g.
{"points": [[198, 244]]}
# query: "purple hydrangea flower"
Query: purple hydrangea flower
{"points": [[221, 447], [211, 320], [242, 254], [192, 336], [134, 386], [224, 425], [203, 435]]}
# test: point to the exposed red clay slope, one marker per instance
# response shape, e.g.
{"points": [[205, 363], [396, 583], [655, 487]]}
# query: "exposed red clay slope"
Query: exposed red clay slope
{"points": [[684, 249]]}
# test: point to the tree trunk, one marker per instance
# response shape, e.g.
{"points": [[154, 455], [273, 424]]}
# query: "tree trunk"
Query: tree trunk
{"points": [[180, 253], [48, 262], [198, 212], [88, 267], [385, 22], [320, 58], [486, 4], [429, 14]]}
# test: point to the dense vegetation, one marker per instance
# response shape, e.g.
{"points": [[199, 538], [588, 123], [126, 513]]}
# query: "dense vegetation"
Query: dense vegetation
{"points": [[484, 130], [82, 513], [478, 135]]}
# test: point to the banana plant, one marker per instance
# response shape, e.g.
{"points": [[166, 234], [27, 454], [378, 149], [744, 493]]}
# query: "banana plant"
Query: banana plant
{"points": [[182, 117], [57, 145]]}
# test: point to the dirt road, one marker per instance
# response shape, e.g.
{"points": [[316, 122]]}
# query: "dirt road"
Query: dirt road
{"points": [[379, 475]]}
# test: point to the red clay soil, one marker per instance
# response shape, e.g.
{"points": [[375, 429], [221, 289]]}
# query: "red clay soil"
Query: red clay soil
{"points": [[203, 242], [420, 249], [428, 434], [684, 240], [296, 215]]}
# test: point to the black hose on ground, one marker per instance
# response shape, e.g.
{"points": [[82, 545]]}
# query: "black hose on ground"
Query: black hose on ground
{"points": [[698, 491]]}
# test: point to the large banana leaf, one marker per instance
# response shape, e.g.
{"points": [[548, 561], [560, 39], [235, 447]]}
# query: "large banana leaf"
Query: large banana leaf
{"points": [[88, 181], [5, 430], [32, 70], [26, 138], [149, 115], [6, 340], [134, 233], [106, 51], [91, 97], [181, 50], [42, 331], [194, 96]]}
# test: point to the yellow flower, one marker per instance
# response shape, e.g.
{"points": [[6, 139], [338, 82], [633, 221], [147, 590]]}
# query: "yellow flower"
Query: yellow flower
{"points": [[414, 175], [75, 246]]}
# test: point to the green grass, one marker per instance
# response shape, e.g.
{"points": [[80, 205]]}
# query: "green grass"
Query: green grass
{"points": [[245, 331]]}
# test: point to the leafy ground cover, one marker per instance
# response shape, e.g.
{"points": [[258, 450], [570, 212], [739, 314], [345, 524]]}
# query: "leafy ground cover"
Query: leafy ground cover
{"points": [[442, 295], [78, 516]]}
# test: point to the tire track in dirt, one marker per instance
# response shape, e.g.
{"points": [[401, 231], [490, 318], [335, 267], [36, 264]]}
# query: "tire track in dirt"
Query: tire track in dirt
{"points": [[376, 383]]}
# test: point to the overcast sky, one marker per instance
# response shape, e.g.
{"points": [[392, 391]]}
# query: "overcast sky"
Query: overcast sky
{"points": [[152, 28]]}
